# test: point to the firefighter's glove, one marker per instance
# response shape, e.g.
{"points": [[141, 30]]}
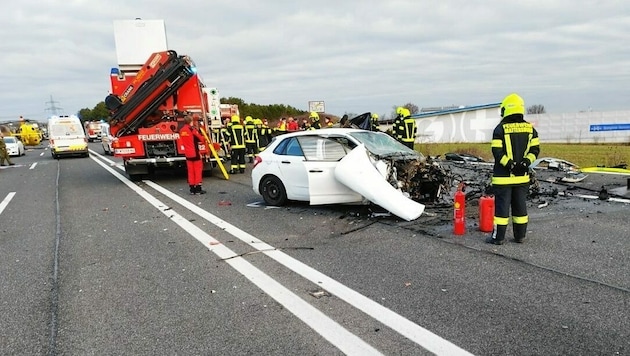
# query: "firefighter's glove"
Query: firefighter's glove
{"points": [[521, 168], [511, 166]]}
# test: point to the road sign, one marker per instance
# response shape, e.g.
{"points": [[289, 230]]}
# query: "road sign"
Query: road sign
{"points": [[317, 106], [609, 127]]}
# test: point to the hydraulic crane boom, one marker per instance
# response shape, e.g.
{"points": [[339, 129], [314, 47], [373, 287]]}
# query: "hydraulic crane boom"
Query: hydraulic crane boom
{"points": [[158, 79]]}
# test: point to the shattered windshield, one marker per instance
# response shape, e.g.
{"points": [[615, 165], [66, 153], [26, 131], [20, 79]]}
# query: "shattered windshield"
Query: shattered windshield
{"points": [[383, 145]]}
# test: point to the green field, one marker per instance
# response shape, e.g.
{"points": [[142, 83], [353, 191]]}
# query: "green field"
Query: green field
{"points": [[607, 155]]}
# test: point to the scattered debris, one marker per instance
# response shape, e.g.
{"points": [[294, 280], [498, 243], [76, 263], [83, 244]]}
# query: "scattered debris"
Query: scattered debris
{"points": [[319, 293], [555, 164], [462, 157]]}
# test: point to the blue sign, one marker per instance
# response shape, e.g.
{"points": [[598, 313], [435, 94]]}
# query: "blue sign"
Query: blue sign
{"points": [[610, 127]]}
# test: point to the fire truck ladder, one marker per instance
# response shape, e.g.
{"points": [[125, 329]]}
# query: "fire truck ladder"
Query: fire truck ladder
{"points": [[175, 73]]}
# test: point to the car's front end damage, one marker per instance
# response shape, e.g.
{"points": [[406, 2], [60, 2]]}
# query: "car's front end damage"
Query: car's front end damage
{"points": [[421, 179]]}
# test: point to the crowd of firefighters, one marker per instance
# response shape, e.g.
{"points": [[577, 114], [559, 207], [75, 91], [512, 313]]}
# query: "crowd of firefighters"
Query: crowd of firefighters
{"points": [[243, 140]]}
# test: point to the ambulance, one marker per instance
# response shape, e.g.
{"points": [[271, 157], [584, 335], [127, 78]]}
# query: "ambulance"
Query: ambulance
{"points": [[66, 136]]}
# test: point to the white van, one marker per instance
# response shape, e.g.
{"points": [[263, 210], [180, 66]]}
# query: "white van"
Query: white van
{"points": [[66, 136]]}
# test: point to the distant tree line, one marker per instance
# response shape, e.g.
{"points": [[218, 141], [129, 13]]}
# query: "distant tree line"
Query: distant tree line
{"points": [[272, 112]]}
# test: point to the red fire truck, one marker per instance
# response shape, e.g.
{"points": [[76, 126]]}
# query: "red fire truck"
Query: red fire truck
{"points": [[147, 110], [150, 97]]}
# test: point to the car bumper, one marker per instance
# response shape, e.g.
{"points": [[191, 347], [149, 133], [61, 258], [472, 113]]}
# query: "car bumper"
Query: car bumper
{"points": [[14, 151], [70, 150]]}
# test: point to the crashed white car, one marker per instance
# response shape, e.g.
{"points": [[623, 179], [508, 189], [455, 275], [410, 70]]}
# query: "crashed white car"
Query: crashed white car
{"points": [[343, 166]]}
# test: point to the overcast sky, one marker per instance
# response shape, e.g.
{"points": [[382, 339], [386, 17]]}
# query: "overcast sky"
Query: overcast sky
{"points": [[356, 56]]}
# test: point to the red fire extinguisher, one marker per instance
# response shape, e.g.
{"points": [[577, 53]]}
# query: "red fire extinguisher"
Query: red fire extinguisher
{"points": [[459, 211], [486, 213]]}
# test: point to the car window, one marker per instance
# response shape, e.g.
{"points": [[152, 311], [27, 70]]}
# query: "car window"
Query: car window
{"points": [[289, 147], [279, 150], [9, 139], [317, 148]]}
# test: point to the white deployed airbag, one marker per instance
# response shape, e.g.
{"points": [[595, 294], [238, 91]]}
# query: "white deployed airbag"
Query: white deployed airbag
{"points": [[357, 172]]}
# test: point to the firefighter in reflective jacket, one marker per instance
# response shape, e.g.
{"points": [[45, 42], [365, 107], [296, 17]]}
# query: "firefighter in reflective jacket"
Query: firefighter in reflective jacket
{"points": [[515, 146], [191, 138], [374, 123], [223, 138], [405, 128], [236, 134], [264, 134], [251, 133], [315, 124]]}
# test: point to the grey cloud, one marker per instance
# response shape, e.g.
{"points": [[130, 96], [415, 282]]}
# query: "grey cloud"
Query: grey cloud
{"points": [[356, 55]]}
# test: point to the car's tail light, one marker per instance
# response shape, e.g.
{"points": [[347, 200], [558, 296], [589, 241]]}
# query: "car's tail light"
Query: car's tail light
{"points": [[256, 161]]}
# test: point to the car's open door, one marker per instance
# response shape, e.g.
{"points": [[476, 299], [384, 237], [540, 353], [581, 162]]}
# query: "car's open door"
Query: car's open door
{"points": [[322, 156]]}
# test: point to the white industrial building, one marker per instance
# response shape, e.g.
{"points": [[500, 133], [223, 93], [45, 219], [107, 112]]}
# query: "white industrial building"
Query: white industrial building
{"points": [[476, 123]]}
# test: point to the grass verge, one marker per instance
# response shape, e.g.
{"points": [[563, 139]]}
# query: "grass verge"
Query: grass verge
{"points": [[591, 155]]}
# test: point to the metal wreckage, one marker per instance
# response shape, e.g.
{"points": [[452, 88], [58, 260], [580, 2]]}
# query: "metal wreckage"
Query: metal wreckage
{"points": [[433, 182]]}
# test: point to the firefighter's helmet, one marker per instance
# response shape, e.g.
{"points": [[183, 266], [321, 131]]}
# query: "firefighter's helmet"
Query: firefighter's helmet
{"points": [[236, 119], [313, 116], [512, 104], [258, 122], [399, 110], [374, 116], [249, 119]]}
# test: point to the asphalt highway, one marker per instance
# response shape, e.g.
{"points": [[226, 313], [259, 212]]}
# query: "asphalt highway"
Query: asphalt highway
{"points": [[93, 264]]}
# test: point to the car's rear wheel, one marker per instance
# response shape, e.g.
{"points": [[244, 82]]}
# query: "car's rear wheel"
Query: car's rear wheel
{"points": [[273, 191]]}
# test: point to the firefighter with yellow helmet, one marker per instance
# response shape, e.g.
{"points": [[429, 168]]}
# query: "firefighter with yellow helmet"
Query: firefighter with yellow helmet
{"points": [[405, 128], [264, 134], [315, 124], [374, 122], [251, 138], [236, 135], [515, 146]]}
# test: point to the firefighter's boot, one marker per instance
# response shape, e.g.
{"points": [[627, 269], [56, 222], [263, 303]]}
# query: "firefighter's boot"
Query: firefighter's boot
{"points": [[199, 190], [520, 230], [498, 235]]}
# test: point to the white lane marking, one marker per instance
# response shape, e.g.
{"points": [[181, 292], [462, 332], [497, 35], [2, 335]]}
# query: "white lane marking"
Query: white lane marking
{"points": [[33, 165], [402, 325], [329, 329], [41, 154], [6, 201]]}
